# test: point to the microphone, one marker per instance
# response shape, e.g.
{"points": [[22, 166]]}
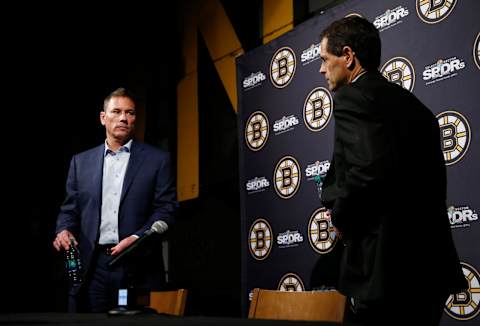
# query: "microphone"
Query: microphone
{"points": [[158, 227]]}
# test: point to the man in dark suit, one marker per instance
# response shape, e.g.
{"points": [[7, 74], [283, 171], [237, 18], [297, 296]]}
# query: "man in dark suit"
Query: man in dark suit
{"points": [[386, 187], [115, 192]]}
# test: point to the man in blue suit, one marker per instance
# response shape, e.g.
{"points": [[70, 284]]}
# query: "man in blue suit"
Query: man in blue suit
{"points": [[114, 193]]}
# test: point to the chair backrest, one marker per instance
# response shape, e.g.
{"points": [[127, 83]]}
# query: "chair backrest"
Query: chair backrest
{"points": [[169, 302], [306, 305]]}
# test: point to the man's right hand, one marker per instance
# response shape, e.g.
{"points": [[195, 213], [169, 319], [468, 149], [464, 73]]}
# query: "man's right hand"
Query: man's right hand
{"points": [[63, 240]]}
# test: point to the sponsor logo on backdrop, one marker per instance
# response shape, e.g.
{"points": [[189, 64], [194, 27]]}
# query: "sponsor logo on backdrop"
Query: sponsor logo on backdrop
{"points": [[455, 136], [291, 282], [257, 184], [476, 51], [310, 54], [318, 109], [321, 234], [254, 80], [461, 216], [434, 11], [256, 130], [260, 239], [287, 177], [289, 239], [399, 70], [442, 69], [390, 18], [318, 168], [286, 123], [465, 305], [282, 67]]}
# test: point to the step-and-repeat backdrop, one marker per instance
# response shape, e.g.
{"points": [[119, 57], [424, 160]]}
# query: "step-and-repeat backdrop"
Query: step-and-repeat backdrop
{"points": [[431, 48]]}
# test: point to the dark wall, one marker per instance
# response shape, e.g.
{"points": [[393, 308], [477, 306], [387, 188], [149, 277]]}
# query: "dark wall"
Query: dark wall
{"points": [[205, 247], [59, 62]]}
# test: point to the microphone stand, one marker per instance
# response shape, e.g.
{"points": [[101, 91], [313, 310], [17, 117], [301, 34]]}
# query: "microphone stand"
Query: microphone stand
{"points": [[132, 307]]}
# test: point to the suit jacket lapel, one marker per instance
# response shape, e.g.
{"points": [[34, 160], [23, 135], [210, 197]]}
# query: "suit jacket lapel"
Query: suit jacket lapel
{"points": [[137, 156], [97, 175]]}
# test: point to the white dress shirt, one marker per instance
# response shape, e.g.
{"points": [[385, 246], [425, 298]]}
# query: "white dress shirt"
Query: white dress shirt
{"points": [[114, 169]]}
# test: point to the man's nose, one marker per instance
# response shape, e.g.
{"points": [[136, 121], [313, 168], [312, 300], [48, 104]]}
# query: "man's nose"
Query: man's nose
{"points": [[322, 69]]}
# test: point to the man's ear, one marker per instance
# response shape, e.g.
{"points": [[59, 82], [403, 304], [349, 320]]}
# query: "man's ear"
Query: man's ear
{"points": [[102, 118], [349, 56]]}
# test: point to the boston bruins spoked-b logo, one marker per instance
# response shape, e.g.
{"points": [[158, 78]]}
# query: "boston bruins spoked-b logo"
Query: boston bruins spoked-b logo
{"points": [[476, 51], [399, 70], [465, 305], [291, 282], [455, 135], [260, 239], [354, 14], [318, 109], [287, 177], [321, 233], [282, 67], [256, 130], [434, 11]]}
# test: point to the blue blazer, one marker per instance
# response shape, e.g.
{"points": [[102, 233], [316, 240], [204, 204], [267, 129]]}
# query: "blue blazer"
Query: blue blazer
{"points": [[148, 195]]}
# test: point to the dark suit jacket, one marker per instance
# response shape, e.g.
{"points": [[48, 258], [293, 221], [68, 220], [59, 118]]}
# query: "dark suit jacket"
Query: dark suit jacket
{"points": [[148, 195], [386, 188]]}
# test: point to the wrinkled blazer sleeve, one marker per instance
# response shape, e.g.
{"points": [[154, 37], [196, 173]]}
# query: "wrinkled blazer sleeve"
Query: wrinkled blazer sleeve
{"points": [[69, 216]]}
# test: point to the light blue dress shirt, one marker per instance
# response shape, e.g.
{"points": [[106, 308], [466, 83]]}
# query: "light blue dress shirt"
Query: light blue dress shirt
{"points": [[114, 169]]}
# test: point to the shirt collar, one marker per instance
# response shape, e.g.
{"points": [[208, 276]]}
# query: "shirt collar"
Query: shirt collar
{"points": [[359, 75], [124, 148]]}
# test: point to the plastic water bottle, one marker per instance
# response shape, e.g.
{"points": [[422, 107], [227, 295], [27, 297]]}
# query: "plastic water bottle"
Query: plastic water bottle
{"points": [[319, 182], [73, 263]]}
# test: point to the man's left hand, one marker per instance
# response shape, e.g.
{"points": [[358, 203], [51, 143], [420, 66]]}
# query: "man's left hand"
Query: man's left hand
{"points": [[122, 245], [328, 216]]}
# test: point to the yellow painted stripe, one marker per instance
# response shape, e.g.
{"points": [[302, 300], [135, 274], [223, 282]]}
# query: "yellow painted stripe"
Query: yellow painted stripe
{"points": [[277, 18], [222, 43], [223, 46], [187, 139]]}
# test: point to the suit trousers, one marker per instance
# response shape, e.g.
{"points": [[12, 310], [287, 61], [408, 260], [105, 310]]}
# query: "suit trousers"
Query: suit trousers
{"points": [[99, 292], [417, 309]]}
